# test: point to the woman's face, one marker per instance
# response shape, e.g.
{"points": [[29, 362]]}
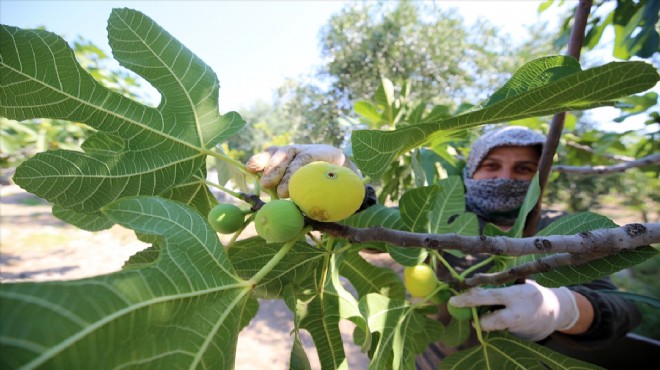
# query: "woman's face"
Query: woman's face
{"points": [[509, 162]]}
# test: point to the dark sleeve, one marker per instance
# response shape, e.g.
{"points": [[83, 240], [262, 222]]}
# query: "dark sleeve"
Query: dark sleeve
{"points": [[614, 316]]}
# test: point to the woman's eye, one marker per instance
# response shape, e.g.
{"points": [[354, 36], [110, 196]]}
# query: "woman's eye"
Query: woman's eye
{"points": [[525, 169], [490, 166]]}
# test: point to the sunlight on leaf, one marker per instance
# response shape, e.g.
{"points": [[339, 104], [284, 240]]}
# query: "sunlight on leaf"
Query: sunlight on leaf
{"points": [[184, 309], [139, 150]]}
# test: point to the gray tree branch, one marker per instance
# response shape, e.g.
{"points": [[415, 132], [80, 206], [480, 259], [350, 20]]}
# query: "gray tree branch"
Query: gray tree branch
{"points": [[589, 149], [600, 170], [543, 264], [568, 250], [552, 142], [602, 241]]}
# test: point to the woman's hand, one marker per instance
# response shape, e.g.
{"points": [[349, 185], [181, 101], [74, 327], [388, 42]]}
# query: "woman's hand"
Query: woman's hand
{"points": [[278, 163], [530, 311]]}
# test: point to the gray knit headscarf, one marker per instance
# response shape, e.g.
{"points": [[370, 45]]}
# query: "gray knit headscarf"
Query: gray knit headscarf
{"points": [[497, 200]]}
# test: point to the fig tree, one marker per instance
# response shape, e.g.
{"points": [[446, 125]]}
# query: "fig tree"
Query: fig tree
{"points": [[226, 218], [326, 192], [279, 221], [420, 280]]}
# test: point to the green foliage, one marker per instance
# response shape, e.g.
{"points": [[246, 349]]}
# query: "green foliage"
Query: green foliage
{"points": [[418, 168], [21, 140], [544, 86], [416, 42], [183, 301], [432, 55], [509, 352], [642, 279], [633, 22], [184, 309], [173, 138], [635, 189]]}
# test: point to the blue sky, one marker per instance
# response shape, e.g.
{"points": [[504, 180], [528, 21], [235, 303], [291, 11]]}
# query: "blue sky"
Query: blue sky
{"points": [[251, 45]]}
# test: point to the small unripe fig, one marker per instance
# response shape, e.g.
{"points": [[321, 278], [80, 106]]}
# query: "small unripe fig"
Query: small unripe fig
{"points": [[441, 297], [459, 313], [419, 280], [279, 221], [326, 192], [226, 218]]}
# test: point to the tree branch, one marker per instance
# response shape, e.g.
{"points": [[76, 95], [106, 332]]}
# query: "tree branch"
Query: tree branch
{"points": [[552, 142], [600, 170], [587, 148], [602, 241], [544, 264]]}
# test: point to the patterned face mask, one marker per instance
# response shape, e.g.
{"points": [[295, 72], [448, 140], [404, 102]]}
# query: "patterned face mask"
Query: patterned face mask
{"points": [[496, 200]]}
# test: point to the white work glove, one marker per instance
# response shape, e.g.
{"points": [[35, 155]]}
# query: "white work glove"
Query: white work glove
{"points": [[278, 163], [531, 311]]}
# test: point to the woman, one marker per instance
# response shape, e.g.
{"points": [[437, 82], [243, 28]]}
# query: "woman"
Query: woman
{"points": [[499, 169], [498, 172]]}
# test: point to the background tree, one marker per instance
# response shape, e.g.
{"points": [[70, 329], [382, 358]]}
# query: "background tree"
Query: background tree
{"points": [[445, 60], [621, 30], [431, 50]]}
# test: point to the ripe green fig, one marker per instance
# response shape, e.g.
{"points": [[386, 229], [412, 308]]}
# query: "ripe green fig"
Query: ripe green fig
{"points": [[460, 313], [279, 221], [326, 192], [226, 218], [420, 280]]}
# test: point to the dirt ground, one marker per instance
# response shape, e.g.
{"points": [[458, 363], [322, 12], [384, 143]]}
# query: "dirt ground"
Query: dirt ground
{"points": [[35, 246]]}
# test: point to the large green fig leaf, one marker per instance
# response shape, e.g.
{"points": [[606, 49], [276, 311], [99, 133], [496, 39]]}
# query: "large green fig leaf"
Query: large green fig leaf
{"points": [[449, 202], [503, 351], [415, 205], [183, 310], [403, 331], [87, 221], [541, 87], [320, 315], [367, 278], [348, 304], [295, 300], [138, 149], [249, 255], [456, 332]]}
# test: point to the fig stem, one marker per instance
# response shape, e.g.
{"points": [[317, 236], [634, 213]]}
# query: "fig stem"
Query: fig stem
{"points": [[329, 243], [225, 158], [226, 190], [447, 265], [239, 231], [439, 286], [342, 249], [475, 267], [477, 326], [268, 267]]}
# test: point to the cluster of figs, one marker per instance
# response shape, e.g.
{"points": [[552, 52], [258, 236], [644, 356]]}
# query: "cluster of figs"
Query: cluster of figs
{"points": [[327, 193], [319, 190]]}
